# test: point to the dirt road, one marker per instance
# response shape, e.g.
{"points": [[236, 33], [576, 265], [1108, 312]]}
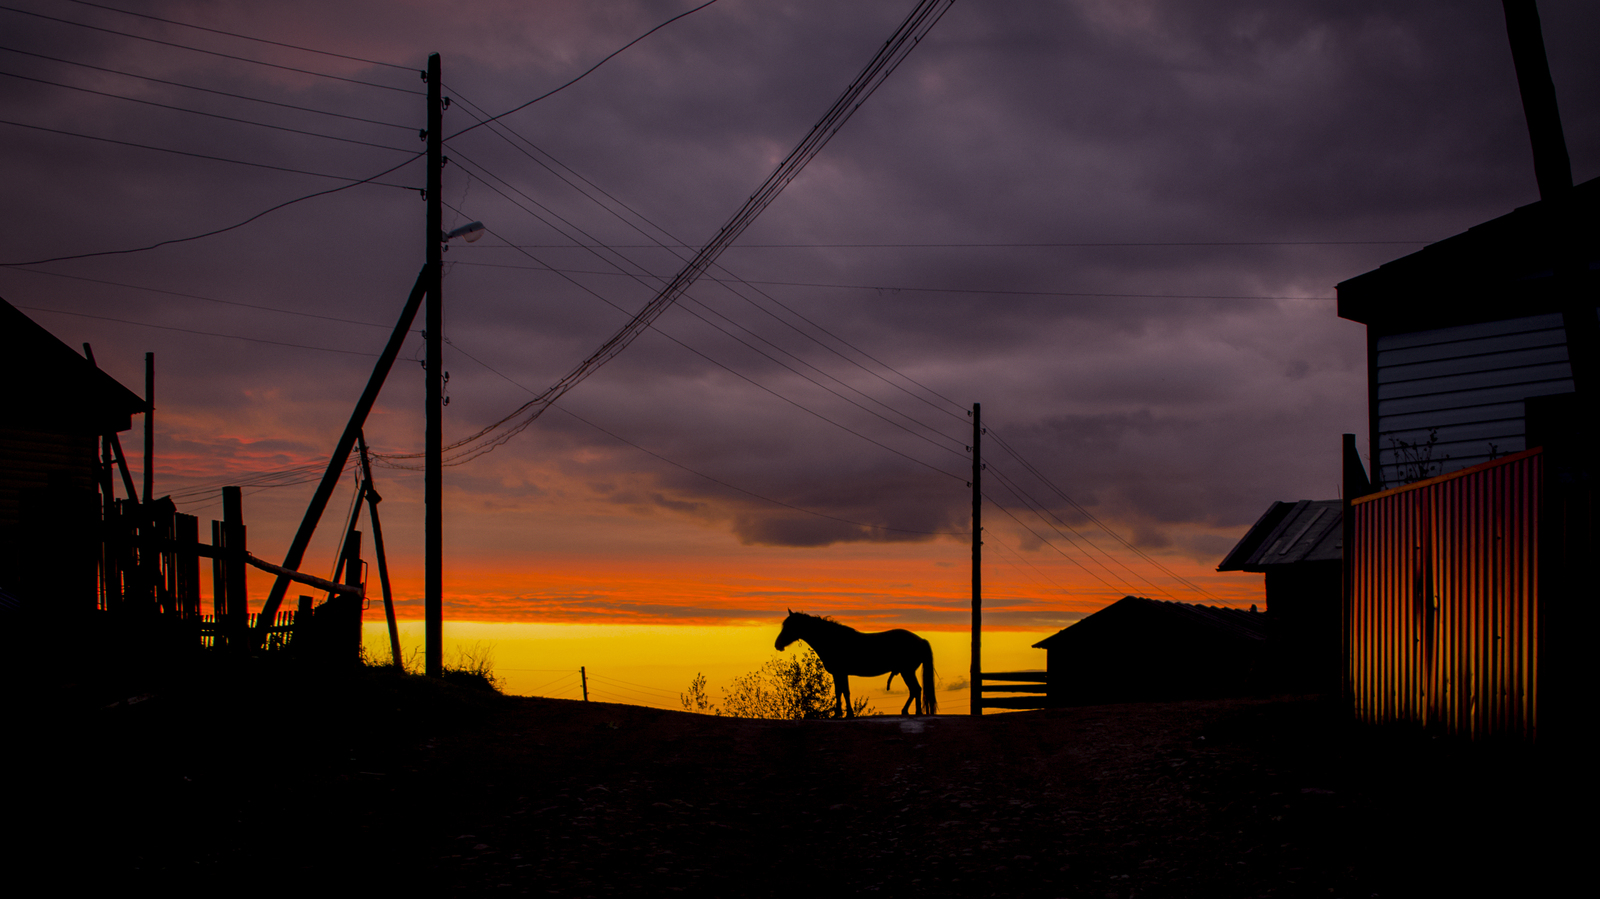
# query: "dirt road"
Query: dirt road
{"points": [[391, 786]]}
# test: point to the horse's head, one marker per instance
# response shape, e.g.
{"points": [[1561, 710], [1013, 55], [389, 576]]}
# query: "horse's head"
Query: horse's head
{"points": [[790, 631]]}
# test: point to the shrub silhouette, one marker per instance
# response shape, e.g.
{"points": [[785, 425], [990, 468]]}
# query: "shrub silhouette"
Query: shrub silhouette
{"points": [[795, 687]]}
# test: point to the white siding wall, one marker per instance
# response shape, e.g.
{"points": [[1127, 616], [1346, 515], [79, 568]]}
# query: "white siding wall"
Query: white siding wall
{"points": [[1469, 383]]}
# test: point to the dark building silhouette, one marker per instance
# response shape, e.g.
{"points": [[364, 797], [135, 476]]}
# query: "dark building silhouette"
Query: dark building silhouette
{"points": [[1297, 546], [1139, 650], [1468, 338], [1470, 570], [58, 405]]}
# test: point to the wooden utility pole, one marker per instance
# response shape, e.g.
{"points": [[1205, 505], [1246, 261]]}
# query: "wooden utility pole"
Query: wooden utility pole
{"points": [[433, 472], [977, 562], [583, 675]]}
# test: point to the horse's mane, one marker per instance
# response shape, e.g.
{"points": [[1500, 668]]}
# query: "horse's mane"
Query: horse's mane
{"points": [[825, 621]]}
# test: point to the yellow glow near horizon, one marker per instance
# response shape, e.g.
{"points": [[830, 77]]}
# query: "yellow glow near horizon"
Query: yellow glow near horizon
{"points": [[646, 664]]}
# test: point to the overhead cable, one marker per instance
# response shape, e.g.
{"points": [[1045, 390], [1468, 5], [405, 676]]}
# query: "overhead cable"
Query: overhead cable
{"points": [[215, 231], [126, 321], [893, 52], [178, 46], [950, 442], [208, 90], [584, 74], [259, 40], [207, 156], [502, 130], [1087, 514], [201, 112]]}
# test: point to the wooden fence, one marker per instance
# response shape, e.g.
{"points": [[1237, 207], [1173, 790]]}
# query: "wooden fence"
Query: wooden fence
{"points": [[1029, 689], [278, 636], [1444, 615], [150, 570]]}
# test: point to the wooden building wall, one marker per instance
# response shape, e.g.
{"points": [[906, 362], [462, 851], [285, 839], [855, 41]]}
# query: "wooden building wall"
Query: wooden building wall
{"points": [[1468, 381], [49, 516]]}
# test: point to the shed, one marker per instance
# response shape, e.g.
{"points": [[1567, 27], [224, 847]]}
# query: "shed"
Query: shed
{"points": [[1142, 650], [1470, 568], [1297, 546], [58, 407], [1468, 337]]}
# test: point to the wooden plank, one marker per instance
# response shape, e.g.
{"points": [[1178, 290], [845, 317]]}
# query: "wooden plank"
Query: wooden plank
{"points": [[1012, 702], [1037, 677], [312, 580]]}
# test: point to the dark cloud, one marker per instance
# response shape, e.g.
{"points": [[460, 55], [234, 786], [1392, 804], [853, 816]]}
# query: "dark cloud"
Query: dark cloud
{"points": [[1131, 377]]}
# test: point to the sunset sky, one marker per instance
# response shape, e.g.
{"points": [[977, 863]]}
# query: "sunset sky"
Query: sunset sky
{"points": [[1115, 223]]}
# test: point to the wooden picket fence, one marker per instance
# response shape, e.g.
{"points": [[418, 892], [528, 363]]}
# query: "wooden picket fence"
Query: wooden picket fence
{"points": [[278, 637]]}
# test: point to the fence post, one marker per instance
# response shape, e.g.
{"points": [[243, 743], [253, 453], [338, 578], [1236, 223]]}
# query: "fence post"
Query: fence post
{"points": [[350, 622], [228, 600]]}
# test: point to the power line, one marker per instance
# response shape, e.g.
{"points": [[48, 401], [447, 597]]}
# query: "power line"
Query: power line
{"points": [[481, 442], [501, 130], [195, 296], [240, 224], [126, 321], [207, 156], [208, 90], [1085, 512], [199, 112], [768, 499], [641, 280], [877, 70], [990, 538], [1042, 540], [613, 435], [1023, 246], [259, 40], [1037, 509], [178, 46], [583, 74], [885, 288]]}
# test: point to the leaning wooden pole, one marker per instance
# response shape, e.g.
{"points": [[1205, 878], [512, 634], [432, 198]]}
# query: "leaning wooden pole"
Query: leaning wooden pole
{"points": [[377, 544], [977, 562], [341, 453]]}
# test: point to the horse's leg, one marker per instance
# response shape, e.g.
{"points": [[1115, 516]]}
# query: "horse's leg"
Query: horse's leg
{"points": [[915, 689], [843, 684]]}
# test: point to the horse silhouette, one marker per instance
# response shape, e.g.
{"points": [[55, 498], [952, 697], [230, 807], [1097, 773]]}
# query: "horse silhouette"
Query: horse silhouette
{"points": [[845, 651]]}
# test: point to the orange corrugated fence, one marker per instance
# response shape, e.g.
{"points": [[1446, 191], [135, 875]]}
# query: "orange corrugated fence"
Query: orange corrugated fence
{"points": [[1444, 601]]}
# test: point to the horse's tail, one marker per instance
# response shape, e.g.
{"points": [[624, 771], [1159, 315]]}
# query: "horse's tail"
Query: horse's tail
{"points": [[890, 683], [930, 704]]}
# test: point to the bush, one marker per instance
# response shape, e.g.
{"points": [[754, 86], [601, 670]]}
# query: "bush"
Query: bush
{"points": [[794, 687]]}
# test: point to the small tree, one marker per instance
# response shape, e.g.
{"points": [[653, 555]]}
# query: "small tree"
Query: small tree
{"points": [[797, 687], [1415, 461]]}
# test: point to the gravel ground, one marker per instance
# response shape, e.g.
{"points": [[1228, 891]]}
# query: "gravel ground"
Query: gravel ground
{"points": [[282, 781]]}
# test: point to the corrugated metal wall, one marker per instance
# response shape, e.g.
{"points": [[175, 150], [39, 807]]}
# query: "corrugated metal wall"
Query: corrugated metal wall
{"points": [[1467, 381], [1444, 601]]}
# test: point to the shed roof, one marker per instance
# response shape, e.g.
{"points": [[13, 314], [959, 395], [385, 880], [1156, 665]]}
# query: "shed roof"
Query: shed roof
{"points": [[1503, 268], [65, 392], [1147, 615], [1289, 533]]}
